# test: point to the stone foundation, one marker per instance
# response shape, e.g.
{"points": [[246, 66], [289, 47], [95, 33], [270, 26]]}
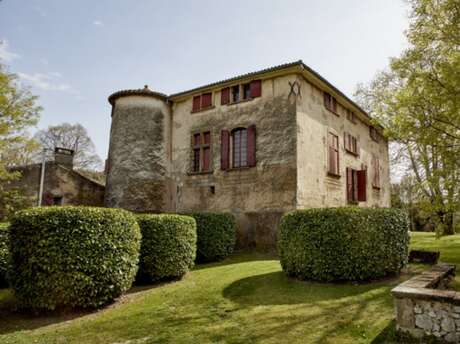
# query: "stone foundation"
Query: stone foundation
{"points": [[425, 308]]}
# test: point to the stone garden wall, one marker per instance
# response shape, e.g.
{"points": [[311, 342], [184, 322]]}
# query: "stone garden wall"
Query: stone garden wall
{"points": [[424, 307]]}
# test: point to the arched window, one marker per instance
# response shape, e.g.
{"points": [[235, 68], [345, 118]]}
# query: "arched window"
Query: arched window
{"points": [[239, 147]]}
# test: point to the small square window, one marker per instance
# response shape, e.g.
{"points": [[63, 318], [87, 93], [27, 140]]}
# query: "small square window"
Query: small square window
{"points": [[236, 93], [246, 91]]}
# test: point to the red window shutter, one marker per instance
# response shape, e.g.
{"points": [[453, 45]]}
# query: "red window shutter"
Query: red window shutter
{"points": [[349, 184], [327, 100], [224, 150], [355, 185], [206, 100], [225, 96], [252, 146], [196, 103], [206, 158], [362, 181], [346, 141], [256, 88]]}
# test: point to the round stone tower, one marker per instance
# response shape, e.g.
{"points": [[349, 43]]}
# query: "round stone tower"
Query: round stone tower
{"points": [[138, 164]]}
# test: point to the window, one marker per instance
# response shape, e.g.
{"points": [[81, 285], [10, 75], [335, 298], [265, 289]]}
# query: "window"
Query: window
{"points": [[246, 91], [237, 93], [57, 200], [238, 148], [202, 102], [333, 155], [350, 143], [351, 116], [376, 172], [206, 100], [201, 152], [330, 103], [356, 185], [373, 134]]}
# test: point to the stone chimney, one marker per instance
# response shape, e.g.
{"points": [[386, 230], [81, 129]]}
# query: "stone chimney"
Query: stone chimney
{"points": [[64, 157]]}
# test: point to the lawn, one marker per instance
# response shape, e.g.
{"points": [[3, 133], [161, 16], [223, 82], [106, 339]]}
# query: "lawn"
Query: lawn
{"points": [[245, 299]]}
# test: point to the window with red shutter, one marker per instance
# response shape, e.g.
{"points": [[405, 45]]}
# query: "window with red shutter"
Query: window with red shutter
{"points": [[350, 143], [206, 158], [349, 185], [376, 173], [201, 149], [225, 96], [333, 154], [196, 103], [256, 88], [330, 103], [362, 185], [246, 91], [252, 146], [224, 150], [239, 148], [206, 100], [373, 133]]}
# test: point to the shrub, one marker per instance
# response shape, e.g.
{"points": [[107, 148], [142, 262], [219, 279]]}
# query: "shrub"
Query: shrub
{"points": [[4, 259], [168, 246], [216, 235], [72, 256], [350, 243]]}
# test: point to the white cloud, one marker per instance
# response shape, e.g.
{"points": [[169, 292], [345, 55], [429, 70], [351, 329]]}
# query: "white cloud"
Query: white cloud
{"points": [[98, 23], [44, 61], [5, 54], [47, 82]]}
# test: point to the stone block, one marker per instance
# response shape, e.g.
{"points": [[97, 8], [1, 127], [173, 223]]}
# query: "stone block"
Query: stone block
{"points": [[424, 322]]}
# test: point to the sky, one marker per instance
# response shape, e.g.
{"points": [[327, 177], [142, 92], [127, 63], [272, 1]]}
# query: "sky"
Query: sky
{"points": [[74, 54]]}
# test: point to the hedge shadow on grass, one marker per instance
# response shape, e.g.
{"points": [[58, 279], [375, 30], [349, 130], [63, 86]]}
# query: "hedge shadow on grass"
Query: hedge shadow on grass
{"points": [[14, 320], [276, 288], [241, 256]]}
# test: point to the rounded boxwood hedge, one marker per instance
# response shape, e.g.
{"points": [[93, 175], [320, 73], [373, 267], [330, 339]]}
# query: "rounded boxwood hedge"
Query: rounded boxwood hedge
{"points": [[72, 256], [343, 244], [4, 260], [216, 235], [168, 247]]}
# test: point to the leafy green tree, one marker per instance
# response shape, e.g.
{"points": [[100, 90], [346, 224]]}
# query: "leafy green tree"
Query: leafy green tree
{"points": [[18, 112], [417, 100]]}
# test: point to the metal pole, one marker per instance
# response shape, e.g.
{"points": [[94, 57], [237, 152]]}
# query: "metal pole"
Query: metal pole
{"points": [[42, 179]]}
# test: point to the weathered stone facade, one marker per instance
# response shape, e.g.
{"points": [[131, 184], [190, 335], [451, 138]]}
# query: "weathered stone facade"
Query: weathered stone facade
{"points": [[150, 154], [425, 308], [62, 185]]}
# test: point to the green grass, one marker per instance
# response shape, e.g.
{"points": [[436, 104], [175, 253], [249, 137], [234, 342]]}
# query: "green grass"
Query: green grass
{"points": [[245, 299]]}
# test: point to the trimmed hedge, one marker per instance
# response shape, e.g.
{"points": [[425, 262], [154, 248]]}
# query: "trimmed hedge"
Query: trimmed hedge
{"points": [[72, 256], [4, 259], [216, 235], [168, 246], [343, 244]]}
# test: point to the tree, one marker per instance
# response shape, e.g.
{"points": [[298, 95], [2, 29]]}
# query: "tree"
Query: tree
{"points": [[71, 136], [18, 112], [417, 100]]}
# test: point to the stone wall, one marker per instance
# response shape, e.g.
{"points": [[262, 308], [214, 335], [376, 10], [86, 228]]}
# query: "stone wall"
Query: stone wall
{"points": [[60, 183], [138, 161], [425, 308], [315, 187], [255, 194]]}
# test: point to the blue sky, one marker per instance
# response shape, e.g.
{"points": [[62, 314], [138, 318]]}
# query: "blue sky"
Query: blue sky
{"points": [[74, 54]]}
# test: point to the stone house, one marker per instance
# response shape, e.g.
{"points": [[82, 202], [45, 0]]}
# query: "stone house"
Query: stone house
{"points": [[257, 145], [62, 184]]}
